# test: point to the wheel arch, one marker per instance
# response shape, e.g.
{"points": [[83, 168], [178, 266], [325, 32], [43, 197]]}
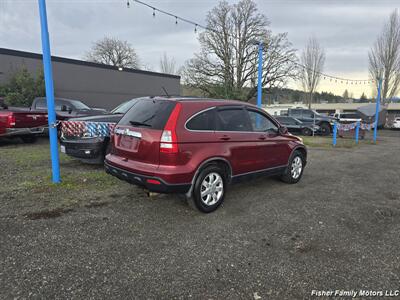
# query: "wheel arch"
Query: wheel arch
{"points": [[221, 161]]}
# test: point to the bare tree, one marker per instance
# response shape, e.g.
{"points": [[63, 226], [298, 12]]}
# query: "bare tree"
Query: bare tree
{"points": [[168, 64], [312, 59], [384, 57], [227, 64], [114, 52]]}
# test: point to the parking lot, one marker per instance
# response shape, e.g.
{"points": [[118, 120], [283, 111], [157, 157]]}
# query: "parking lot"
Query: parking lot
{"points": [[95, 237]]}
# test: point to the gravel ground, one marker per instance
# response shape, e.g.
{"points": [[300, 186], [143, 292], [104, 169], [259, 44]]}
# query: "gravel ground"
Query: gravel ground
{"points": [[95, 237]]}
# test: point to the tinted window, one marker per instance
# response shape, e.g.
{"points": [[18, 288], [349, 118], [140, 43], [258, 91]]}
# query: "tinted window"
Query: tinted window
{"points": [[41, 104], [261, 123], [234, 119], [203, 121], [149, 113], [295, 112], [308, 114]]}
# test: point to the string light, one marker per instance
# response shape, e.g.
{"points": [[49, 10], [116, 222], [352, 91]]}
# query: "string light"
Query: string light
{"points": [[325, 76]]}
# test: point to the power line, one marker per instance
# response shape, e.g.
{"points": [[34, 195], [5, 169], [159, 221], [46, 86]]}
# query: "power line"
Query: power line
{"points": [[196, 25]]}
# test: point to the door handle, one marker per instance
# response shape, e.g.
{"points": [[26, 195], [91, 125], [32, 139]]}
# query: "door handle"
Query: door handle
{"points": [[225, 138], [262, 137]]}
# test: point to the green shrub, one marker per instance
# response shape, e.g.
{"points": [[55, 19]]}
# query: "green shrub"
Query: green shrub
{"points": [[22, 88]]}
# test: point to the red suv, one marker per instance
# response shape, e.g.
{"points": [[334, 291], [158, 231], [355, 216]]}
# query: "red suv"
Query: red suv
{"points": [[199, 146]]}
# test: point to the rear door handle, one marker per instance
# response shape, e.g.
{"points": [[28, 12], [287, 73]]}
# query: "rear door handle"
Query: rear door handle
{"points": [[225, 138]]}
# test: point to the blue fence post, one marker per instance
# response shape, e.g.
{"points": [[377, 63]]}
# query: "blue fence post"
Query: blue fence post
{"points": [[48, 77], [334, 134], [260, 64], [357, 131], [378, 99]]}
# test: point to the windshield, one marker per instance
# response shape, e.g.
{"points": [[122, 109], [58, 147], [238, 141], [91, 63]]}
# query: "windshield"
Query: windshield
{"points": [[79, 105], [124, 107]]}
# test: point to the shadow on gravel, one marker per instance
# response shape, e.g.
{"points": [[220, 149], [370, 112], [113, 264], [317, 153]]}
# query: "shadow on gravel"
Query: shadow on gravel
{"points": [[48, 214]]}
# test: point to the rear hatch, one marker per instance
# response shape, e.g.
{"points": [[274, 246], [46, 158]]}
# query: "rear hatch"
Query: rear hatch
{"points": [[137, 136]]}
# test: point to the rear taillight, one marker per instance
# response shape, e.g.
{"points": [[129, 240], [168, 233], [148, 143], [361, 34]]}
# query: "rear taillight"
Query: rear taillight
{"points": [[10, 121], [169, 141]]}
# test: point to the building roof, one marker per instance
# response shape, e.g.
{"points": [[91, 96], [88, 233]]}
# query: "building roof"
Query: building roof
{"points": [[18, 53]]}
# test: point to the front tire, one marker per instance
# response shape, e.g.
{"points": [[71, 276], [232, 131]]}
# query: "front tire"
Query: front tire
{"points": [[295, 168], [209, 189], [325, 129]]}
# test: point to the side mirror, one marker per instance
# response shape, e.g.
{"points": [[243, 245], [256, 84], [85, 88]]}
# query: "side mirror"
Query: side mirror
{"points": [[63, 108], [283, 130]]}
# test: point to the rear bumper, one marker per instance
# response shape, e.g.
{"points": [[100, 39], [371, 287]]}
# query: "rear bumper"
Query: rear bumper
{"points": [[142, 180], [84, 149], [24, 131]]}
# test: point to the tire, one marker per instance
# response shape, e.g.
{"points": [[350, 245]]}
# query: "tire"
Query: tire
{"points": [[291, 175], [325, 129], [209, 201], [28, 139], [306, 131]]}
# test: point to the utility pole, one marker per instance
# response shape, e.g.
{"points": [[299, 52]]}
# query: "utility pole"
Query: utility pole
{"points": [[48, 77], [260, 64], [378, 99]]}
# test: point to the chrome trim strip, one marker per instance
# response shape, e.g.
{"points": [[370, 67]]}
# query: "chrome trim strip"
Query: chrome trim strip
{"points": [[128, 132]]}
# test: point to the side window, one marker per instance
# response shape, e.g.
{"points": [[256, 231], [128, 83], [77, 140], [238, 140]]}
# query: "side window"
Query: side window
{"points": [[261, 123], [232, 119], [202, 121], [41, 104], [308, 114], [296, 112], [58, 105]]}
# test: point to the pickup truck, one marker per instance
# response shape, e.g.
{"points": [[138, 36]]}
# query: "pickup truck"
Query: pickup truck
{"points": [[91, 146], [308, 116], [23, 123], [67, 108]]}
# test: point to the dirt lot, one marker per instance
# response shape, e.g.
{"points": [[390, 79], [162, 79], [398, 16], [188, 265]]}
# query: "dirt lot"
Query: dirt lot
{"points": [[94, 237]]}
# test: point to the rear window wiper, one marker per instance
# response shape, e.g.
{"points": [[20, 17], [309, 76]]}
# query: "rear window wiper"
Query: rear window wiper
{"points": [[134, 123]]}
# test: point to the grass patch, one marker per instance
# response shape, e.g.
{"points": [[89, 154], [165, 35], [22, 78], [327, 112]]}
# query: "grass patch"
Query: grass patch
{"points": [[326, 142]]}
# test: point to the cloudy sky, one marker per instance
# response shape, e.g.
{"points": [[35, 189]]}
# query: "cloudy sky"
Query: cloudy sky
{"points": [[346, 29]]}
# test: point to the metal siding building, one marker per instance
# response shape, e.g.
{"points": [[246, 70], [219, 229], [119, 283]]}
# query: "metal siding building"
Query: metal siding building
{"points": [[95, 84]]}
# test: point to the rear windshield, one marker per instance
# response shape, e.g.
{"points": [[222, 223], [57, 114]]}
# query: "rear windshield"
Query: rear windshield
{"points": [[149, 113]]}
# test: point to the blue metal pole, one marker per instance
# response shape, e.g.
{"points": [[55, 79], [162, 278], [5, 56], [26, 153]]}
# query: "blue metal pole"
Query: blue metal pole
{"points": [[48, 77], [334, 134], [260, 64], [357, 131], [378, 99]]}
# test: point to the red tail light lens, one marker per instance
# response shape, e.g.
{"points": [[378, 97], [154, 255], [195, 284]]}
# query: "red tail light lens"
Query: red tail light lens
{"points": [[11, 121], [169, 141]]}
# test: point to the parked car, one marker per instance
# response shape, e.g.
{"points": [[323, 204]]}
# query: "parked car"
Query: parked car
{"points": [[347, 117], [199, 146], [91, 148], [67, 108], [22, 123], [309, 116], [396, 123], [296, 126]]}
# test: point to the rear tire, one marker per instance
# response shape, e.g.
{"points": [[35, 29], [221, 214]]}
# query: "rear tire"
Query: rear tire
{"points": [[306, 131], [325, 129], [295, 168], [209, 189], [28, 139]]}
